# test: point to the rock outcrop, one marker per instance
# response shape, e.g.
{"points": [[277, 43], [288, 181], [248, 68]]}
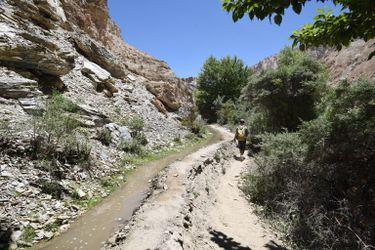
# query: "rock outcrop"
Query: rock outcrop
{"points": [[349, 63], [46, 37], [92, 17]]}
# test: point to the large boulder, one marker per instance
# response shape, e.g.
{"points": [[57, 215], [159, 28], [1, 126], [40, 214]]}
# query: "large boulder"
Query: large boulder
{"points": [[118, 133], [100, 77], [166, 93], [98, 54], [93, 71]]}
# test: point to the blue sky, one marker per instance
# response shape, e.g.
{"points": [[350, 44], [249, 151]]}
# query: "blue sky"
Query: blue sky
{"points": [[185, 33]]}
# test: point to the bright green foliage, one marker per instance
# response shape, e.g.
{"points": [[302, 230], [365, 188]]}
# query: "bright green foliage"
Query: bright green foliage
{"points": [[284, 97], [320, 180], [225, 78], [28, 234], [357, 20]]}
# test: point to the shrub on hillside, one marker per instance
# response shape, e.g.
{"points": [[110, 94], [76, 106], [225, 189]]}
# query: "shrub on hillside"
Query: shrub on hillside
{"points": [[77, 148], [194, 121], [136, 124], [284, 97], [56, 135], [320, 181], [134, 147]]}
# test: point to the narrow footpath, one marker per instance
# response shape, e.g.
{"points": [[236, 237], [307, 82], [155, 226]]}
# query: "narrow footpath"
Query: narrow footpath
{"points": [[196, 204]]}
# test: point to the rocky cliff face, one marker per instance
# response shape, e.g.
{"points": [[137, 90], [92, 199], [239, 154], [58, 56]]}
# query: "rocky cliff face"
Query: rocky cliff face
{"points": [[349, 63], [74, 48]]}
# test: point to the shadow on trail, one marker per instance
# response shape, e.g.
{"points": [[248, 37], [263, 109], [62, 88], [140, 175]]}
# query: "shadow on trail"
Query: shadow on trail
{"points": [[237, 158], [225, 242], [274, 246]]}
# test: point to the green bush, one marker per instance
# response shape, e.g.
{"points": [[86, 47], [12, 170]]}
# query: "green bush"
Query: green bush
{"points": [[104, 136], [77, 148], [28, 234], [320, 181], [50, 128], [134, 146], [141, 138], [225, 78], [195, 123], [285, 97], [136, 124], [56, 134], [53, 188], [63, 103]]}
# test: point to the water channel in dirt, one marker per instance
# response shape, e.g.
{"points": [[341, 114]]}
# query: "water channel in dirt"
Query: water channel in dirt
{"points": [[93, 228]]}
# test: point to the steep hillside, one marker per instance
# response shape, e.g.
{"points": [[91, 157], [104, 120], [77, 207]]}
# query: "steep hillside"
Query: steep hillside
{"points": [[113, 92], [349, 63]]}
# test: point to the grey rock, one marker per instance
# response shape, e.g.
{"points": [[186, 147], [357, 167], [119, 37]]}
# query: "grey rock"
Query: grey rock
{"points": [[13, 85], [118, 133], [16, 235], [31, 105], [81, 194], [36, 52], [131, 77], [100, 55]]}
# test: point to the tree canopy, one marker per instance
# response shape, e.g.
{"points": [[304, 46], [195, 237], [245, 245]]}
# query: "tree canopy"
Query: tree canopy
{"points": [[356, 20], [223, 78]]}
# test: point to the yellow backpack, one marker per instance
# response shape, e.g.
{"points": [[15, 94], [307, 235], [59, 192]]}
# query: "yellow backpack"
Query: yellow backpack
{"points": [[241, 133]]}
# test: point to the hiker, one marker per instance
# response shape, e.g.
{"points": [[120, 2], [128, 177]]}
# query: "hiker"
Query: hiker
{"points": [[241, 135]]}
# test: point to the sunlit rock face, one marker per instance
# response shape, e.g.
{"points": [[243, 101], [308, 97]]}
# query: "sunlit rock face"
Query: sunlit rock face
{"points": [[48, 37]]}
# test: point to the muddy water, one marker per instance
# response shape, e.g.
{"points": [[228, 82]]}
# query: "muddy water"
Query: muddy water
{"points": [[96, 226]]}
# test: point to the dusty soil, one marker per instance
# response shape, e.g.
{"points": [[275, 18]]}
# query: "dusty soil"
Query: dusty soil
{"points": [[196, 204]]}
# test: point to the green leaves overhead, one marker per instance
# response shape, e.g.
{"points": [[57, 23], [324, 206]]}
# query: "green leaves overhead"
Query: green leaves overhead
{"points": [[357, 20], [278, 19]]}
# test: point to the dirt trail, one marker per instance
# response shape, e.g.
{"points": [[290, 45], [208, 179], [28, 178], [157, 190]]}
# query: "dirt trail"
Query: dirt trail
{"points": [[233, 222], [196, 204], [92, 229]]}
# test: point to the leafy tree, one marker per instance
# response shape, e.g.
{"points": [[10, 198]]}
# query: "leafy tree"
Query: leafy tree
{"points": [[225, 78], [288, 95], [357, 20]]}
